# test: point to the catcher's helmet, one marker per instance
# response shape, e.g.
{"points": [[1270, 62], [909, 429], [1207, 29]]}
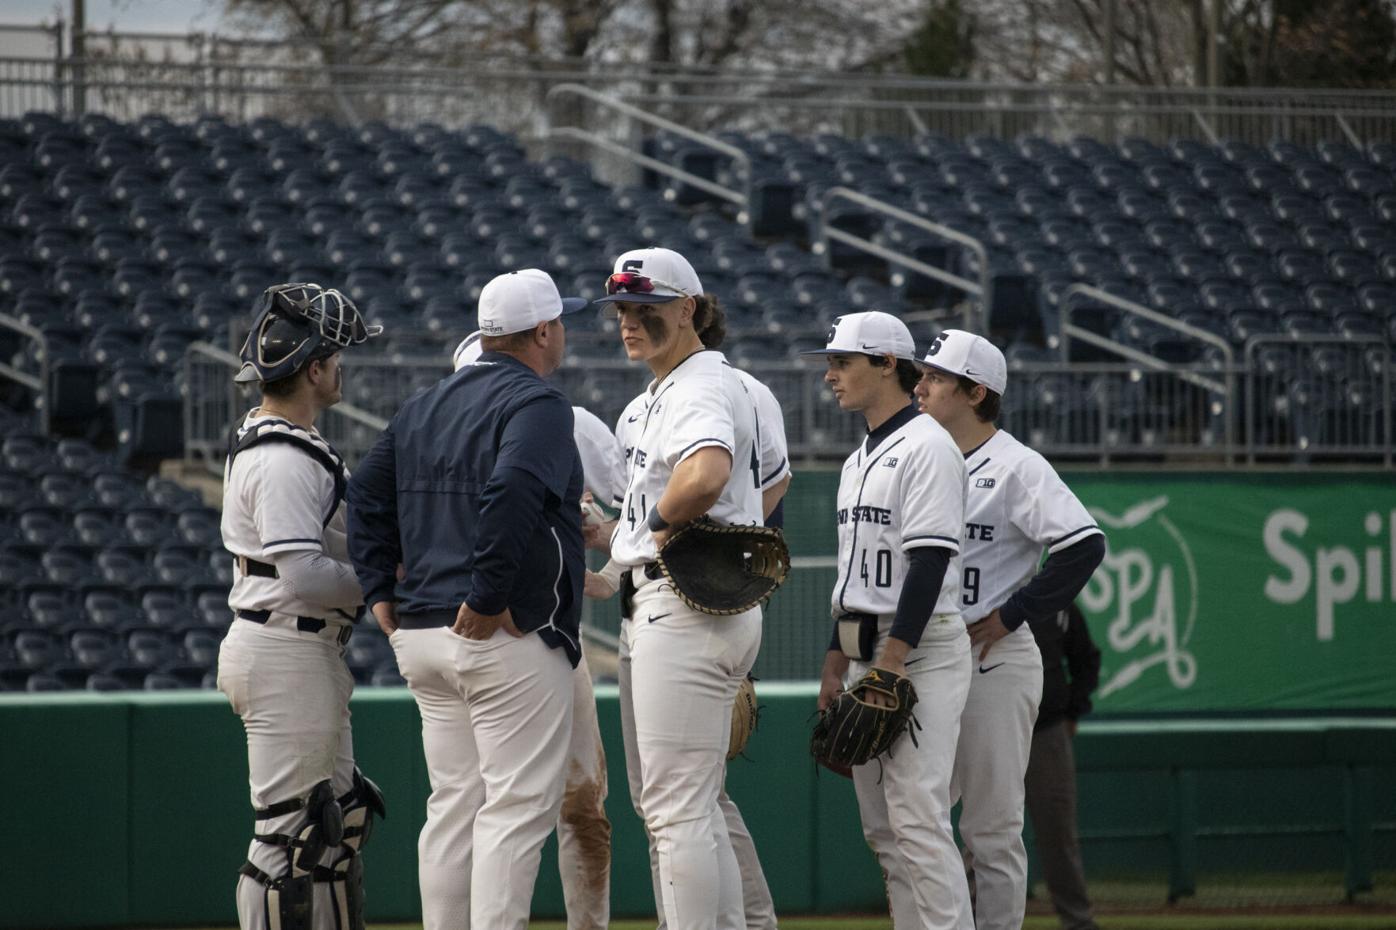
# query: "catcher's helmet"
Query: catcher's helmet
{"points": [[296, 323]]}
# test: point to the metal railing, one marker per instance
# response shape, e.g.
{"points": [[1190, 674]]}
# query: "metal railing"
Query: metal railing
{"points": [[630, 153], [1315, 395], [1224, 391], [197, 74], [38, 383], [213, 405], [1085, 412], [983, 289]]}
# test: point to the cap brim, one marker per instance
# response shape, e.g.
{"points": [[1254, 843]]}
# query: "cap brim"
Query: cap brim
{"points": [[573, 304], [923, 364], [637, 298], [827, 351], [246, 375]]}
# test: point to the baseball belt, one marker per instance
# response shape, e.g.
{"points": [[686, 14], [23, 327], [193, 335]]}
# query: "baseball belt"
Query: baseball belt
{"points": [[304, 624]]}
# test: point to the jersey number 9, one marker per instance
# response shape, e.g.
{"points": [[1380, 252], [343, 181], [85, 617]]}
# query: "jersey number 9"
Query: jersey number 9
{"points": [[971, 595]]}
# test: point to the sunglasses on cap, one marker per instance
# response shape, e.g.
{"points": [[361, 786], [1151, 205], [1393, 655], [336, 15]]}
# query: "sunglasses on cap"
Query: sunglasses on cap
{"points": [[632, 282]]}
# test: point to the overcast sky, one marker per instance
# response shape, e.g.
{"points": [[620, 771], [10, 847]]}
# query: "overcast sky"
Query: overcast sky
{"points": [[121, 15]]}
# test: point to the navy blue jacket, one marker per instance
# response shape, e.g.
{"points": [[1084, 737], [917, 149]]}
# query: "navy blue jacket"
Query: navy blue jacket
{"points": [[475, 487]]}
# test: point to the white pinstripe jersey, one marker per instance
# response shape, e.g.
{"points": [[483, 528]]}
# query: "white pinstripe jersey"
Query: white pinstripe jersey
{"points": [[275, 497], [906, 493], [701, 403], [1015, 506]]}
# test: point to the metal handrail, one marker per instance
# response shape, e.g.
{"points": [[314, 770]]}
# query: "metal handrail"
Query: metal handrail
{"points": [[645, 161], [1226, 388], [34, 383], [644, 116], [983, 290], [1251, 372]]}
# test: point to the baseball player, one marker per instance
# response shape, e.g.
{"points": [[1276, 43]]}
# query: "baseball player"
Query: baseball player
{"points": [[695, 452], [900, 512], [294, 600], [1015, 507], [470, 491], [583, 830], [757, 905]]}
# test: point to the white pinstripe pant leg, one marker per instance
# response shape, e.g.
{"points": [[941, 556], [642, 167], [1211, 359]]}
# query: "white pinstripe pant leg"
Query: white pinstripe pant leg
{"points": [[685, 667], [496, 718], [904, 798], [991, 761]]}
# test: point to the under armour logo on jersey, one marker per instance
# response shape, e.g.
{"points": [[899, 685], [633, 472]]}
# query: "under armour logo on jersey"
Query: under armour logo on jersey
{"points": [[983, 482], [889, 462]]}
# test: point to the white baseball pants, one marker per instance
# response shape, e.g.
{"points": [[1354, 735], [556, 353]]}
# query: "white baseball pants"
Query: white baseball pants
{"points": [[757, 907], [679, 672], [291, 690], [496, 724], [904, 796], [991, 761], [583, 831]]}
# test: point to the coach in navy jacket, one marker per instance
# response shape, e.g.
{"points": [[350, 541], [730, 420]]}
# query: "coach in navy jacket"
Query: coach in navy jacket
{"points": [[475, 488]]}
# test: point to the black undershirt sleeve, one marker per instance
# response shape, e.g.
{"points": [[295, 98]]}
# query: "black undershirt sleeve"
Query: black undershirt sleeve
{"points": [[925, 573], [1056, 584]]}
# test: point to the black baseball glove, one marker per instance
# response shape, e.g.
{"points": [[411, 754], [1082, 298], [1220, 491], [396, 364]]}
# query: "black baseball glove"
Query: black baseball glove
{"points": [[724, 570], [852, 731]]}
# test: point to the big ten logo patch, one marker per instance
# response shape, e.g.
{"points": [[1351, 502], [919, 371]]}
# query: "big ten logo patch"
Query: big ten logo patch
{"points": [[1147, 588]]}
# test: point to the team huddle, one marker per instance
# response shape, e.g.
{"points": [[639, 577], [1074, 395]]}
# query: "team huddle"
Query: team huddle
{"points": [[463, 533]]}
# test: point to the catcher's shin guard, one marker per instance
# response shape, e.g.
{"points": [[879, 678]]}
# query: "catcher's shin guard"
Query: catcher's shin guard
{"points": [[346, 876], [315, 824]]}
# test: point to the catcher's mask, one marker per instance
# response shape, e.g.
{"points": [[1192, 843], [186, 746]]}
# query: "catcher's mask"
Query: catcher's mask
{"points": [[295, 324]]}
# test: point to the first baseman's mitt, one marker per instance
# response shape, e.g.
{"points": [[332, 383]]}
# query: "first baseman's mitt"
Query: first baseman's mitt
{"points": [[852, 731], [745, 715], [724, 570]]}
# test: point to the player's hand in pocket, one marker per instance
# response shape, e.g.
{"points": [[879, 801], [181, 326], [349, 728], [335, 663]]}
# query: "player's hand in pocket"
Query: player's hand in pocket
{"points": [[479, 627], [983, 633], [385, 612]]}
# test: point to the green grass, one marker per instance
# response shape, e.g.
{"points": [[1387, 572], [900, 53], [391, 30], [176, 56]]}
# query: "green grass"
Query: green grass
{"points": [[1324, 921]]}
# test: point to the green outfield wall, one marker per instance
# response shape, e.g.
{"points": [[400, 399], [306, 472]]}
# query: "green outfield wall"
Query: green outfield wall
{"points": [[133, 809], [1232, 591]]}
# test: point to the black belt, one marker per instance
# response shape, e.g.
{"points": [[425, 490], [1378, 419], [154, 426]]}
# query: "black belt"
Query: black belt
{"points": [[652, 571], [253, 567], [304, 624], [426, 620]]}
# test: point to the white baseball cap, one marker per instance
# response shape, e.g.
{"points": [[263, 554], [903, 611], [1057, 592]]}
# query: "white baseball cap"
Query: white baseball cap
{"points": [[468, 352], [520, 300], [870, 333], [651, 276], [971, 356]]}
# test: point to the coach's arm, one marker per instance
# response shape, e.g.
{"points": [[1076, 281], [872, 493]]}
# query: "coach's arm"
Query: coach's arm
{"points": [[375, 549]]}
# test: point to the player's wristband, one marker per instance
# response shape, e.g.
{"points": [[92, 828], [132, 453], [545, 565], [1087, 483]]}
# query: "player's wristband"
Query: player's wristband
{"points": [[655, 522]]}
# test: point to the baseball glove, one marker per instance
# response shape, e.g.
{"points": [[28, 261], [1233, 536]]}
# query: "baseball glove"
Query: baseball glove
{"points": [[745, 715], [852, 731], [724, 570]]}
